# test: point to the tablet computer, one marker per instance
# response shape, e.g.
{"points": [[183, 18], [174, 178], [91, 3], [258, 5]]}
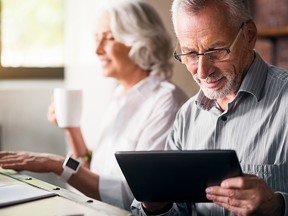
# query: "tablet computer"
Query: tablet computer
{"points": [[176, 176]]}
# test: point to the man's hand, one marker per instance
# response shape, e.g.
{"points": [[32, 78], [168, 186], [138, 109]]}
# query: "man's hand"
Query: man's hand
{"points": [[246, 196]]}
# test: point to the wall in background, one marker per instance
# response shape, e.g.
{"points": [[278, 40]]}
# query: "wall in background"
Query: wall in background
{"points": [[272, 23], [24, 125]]}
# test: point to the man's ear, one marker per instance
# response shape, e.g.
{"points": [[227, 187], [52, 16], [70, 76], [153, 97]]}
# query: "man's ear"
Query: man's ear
{"points": [[251, 34]]}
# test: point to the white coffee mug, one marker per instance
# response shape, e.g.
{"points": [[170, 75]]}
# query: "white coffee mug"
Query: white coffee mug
{"points": [[68, 107]]}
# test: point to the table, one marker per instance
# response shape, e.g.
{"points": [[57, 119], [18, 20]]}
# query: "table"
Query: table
{"points": [[65, 203]]}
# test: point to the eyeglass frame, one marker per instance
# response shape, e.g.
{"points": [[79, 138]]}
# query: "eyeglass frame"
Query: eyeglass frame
{"points": [[177, 56]]}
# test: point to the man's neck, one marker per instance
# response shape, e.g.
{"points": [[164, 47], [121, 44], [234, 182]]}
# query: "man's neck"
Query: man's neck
{"points": [[223, 102]]}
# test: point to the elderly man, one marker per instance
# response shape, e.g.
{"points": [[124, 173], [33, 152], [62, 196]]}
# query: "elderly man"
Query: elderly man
{"points": [[242, 105]]}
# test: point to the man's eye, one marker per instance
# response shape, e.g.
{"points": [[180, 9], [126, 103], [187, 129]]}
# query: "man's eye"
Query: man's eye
{"points": [[217, 54], [188, 53], [213, 55]]}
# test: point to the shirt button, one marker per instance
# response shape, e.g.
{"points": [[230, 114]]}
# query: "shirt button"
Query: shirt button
{"points": [[224, 118]]}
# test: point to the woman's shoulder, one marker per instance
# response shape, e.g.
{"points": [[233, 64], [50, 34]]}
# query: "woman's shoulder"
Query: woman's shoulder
{"points": [[171, 92]]}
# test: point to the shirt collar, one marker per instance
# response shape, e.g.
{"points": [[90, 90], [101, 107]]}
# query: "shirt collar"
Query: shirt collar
{"points": [[144, 88], [252, 83], [255, 78]]}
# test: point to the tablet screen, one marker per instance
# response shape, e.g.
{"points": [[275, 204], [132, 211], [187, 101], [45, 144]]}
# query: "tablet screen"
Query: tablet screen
{"points": [[176, 176]]}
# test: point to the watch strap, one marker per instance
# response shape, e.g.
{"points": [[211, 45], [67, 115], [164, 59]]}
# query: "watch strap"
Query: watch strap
{"points": [[67, 173], [67, 170]]}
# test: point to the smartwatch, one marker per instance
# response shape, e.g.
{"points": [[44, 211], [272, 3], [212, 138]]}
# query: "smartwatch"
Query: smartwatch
{"points": [[70, 166]]}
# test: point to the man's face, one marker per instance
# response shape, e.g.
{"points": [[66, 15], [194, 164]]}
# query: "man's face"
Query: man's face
{"points": [[207, 31]]}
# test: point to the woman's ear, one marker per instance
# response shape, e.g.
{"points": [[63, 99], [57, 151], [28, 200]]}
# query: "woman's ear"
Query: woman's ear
{"points": [[251, 34]]}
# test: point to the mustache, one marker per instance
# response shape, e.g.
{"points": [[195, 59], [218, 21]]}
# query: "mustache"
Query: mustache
{"points": [[211, 78]]}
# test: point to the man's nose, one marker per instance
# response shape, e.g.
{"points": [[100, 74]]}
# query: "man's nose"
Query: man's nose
{"points": [[204, 68]]}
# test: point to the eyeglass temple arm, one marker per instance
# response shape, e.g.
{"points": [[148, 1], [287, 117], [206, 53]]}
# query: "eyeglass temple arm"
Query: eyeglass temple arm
{"points": [[238, 35]]}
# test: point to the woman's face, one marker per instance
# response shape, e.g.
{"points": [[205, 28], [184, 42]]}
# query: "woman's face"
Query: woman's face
{"points": [[112, 54]]}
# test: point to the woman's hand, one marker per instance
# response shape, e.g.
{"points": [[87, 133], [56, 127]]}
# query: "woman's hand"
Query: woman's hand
{"points": [[51, 112], [31, 161]]}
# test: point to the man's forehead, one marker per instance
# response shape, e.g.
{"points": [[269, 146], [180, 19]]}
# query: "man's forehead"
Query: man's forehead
{"points": [[198, 26], [206, 22]]}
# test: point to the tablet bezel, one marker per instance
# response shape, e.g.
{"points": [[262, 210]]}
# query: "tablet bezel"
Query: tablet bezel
{"points": [[164, 176]]}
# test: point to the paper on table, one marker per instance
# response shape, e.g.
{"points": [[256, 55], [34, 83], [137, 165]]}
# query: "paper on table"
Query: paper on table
{"points": [[15, 194]]}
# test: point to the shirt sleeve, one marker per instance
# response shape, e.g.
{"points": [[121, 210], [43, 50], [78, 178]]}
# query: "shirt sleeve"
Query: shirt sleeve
{"points": [[175, 138], [115, 192], [178, 209]]}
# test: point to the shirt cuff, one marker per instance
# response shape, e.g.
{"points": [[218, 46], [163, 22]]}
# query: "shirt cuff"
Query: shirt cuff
{"points": [[115, 192], [137, 209], [285, 197]]}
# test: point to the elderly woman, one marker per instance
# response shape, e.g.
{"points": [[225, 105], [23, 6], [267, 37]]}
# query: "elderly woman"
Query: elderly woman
{"points": [[133, 47]]}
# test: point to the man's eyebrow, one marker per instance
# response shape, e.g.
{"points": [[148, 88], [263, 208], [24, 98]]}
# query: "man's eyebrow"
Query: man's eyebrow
{"points": [[218, 44], [187, 49]]}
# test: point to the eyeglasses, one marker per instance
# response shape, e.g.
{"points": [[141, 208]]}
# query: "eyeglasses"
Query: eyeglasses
{"points": [[213, 55]]}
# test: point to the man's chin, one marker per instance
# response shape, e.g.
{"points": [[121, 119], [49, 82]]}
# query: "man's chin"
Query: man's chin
{"points": [[213, 94]]}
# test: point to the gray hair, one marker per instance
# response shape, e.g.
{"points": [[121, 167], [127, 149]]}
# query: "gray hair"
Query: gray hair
{"points": [[239, 10], [137, 24]]}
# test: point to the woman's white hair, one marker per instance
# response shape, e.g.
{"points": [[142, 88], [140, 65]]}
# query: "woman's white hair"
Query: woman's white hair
{"points": [[238, 10], [137, 24]]}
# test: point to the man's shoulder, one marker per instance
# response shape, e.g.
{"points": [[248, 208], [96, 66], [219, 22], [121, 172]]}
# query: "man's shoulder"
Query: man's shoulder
{"points": [[190, 104], [277, 80], [278, 73]]}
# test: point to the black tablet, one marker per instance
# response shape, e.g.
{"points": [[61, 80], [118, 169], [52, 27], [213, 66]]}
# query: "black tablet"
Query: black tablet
{"points": [[176, 176]]}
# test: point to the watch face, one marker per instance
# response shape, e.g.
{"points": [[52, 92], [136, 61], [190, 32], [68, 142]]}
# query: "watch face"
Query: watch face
{"points": [[73, 164]]}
